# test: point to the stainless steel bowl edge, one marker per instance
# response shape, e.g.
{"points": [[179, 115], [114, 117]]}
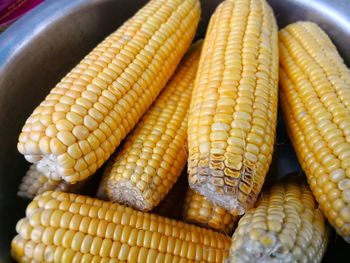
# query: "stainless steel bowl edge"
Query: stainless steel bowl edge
{"points": [[37, 50]]}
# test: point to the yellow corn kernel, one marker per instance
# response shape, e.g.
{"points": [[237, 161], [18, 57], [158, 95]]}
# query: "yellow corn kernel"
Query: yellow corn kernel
{"points": [[233, 111], [155, 153], [199, 210], [60, 227], [95, 105], [285, 226], [315, 99], [34, 183]]}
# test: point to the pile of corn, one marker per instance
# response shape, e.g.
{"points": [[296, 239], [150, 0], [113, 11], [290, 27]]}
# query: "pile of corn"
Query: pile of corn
{"points": [[216, 111]]}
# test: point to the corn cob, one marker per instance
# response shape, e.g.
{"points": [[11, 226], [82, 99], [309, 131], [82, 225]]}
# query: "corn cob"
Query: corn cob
{"points": [[62, 227], [172, 205], [154, 154], [85, 117], [315, 99], [233, 110], [285, 226], [34, 183], [200, 211]]}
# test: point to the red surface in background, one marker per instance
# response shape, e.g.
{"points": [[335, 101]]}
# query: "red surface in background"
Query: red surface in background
{"points": [[10, 10]]}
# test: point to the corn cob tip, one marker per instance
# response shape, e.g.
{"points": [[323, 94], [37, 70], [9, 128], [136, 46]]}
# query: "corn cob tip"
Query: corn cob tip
{"points": [[284, 226], [35, 182], [225, 200], [126, 193], [299, 23], [268, 249], [47, 166]]}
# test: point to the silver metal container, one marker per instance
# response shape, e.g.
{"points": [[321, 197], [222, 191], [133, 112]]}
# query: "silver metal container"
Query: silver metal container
{"points": [[45, 44]]}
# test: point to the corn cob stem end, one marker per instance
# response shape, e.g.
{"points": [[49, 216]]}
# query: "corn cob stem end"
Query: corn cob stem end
{"points": [[47, 166], [127, 194], [224, 199], [264, 248]]}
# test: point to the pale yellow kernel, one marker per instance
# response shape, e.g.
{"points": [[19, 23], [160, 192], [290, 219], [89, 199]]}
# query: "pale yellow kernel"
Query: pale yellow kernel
{"points": [[80, 132], [66, 138], [90, 158], [51, 131], [64, 125], [67, 238], [44, 145], [337, 175], [57, 147], [74, 118], [78, 110], [58, 115], [96, 115], [344, 184], [80, 165], [60, 108], [74, 151], [93, 141], [84, 146], [90, 123], [96, 246], [123, 252]]}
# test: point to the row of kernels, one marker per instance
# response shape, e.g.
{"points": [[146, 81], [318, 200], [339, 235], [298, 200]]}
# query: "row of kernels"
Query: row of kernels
{"points": [[118, 214]]}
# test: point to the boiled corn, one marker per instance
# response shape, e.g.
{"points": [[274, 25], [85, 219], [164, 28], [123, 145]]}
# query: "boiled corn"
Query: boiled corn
{"points": [[85, 117], [199, 210], [233, 110], [285, 226], [315, 98], [62, 227], [155, 153], [34, 183]]}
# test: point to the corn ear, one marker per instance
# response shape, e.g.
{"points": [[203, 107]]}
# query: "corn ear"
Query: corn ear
{"points": [[62, 227], [34, 183], [233, 111], [315, 99], [88, 113], [286, 225]]}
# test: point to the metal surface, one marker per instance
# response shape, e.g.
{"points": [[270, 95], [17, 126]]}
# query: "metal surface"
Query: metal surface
{"points": [[42, 46]]}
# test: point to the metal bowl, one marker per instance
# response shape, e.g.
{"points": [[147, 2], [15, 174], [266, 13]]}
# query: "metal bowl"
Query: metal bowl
{"points": [[45, 44]]}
